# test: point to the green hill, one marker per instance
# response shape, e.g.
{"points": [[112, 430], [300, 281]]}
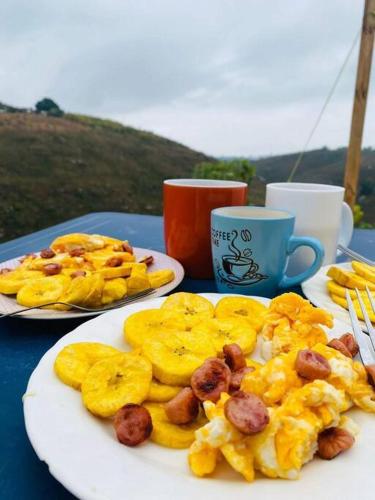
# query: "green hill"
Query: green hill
{"points": [[53, 169]]}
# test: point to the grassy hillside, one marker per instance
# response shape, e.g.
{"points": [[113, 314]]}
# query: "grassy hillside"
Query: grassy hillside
{"points": [[323, 166], [52, 169]]}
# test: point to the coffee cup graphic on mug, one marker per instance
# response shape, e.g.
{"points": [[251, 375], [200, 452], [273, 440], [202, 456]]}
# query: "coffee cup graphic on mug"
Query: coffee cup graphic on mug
{"points": [[250, 250]]}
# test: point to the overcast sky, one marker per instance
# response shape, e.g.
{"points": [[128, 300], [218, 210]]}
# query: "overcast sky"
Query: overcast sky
{"points": [[226, 77]]}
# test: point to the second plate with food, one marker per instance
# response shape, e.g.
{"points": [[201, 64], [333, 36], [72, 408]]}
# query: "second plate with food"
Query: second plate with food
{"points": [[316, 291], [9, 304], [82, 452]]}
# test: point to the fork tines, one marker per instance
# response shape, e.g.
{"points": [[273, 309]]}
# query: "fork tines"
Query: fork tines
{"points": [[365, 352]]}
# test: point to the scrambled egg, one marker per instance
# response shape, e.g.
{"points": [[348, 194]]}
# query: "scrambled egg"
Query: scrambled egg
{"points": [[281, 449], [293, 323]]}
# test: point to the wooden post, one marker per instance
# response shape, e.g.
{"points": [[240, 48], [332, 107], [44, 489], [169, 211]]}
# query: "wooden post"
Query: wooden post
{"points": [[353, 158]]}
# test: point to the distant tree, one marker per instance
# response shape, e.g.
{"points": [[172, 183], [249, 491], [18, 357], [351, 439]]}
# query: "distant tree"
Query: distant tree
{"points": [[49, 107], [234, 170]]}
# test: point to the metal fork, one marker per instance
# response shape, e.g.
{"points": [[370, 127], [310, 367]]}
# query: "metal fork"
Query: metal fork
{"points": [[115, 305], [354, 255], [366, 353]]}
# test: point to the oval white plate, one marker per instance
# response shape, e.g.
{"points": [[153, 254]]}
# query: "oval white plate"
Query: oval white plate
{"points": [[315, 290], [9, 304], [83, 454]]}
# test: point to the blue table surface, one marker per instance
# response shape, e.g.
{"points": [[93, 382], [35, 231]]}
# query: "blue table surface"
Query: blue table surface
{"points": [[23, 343]]}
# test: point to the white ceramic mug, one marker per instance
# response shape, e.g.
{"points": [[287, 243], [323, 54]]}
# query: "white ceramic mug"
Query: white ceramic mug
{"points": [[320, 211]]}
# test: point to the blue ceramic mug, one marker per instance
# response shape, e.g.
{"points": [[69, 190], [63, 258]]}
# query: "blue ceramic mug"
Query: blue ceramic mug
{"points": [[250, 250]]}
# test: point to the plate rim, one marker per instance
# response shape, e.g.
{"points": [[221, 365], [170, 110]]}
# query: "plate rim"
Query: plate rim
{"points": [[50, 314]]}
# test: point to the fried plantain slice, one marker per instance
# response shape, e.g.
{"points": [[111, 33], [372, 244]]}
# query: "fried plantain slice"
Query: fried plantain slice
{"points": [[13, 281], [74, 361], [113, 382], [42, 290], [175, 356], [228, 331], [243, 307], [161, 277], [194, 307], [114, 290], [160, 393], [171, 435], [143, 325]]}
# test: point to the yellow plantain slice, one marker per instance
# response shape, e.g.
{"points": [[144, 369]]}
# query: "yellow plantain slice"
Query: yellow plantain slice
{"points": [[138, 279], [114, 290], [171, 435], [160, 393], [160, 278], [228, 331], [42, 290], [144, 325], [96, 285], [336, 289], [194, 307], [175, 356], [349, 279], [246, 308], [89, 242], [342, 302], [74, 361], [116, 381], [364, 270], [13, 281], [100, 257], [122, 271]]}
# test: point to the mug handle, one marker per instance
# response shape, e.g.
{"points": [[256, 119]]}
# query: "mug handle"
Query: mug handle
{"points": [[346, 227], [293, 244]]}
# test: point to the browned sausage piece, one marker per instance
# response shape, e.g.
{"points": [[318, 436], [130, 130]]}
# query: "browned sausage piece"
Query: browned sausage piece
{"points": [[79, 272], [148, 260], [210, 380], [234, 357], [183, 408], [133, 424], [47, 253], [246, 412], [126, 247], [77, 252], [312, 365], [238, 375], [350, 343], [370, 369], [333, 441], [52, 269], [5, 270], [114, 262], [340, 346]]}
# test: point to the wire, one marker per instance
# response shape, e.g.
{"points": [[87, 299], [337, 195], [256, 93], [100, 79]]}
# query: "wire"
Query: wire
{"points": [[328, 98]]}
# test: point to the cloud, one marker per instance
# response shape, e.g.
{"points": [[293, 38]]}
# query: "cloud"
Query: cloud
{"points": [[222, 76]]}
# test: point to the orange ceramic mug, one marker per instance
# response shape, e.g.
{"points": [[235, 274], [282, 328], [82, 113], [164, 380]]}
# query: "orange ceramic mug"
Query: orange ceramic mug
{"points": [[187, 212]]}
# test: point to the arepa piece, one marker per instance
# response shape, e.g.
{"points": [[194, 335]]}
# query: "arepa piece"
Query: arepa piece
{"points": [[116, 381]]}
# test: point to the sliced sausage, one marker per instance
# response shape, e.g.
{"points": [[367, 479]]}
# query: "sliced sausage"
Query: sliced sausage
{"points": [[79, 272], [238, 375], [340, 346], [133, 424], [370, 369], [350, 343], [77, 252], [183, 408], [246, 412], [148, 260], [52, 269], [47, 253], [114, 262], [210, 380], [126, 247], [234, 357], [333, 441], [312, 365]]}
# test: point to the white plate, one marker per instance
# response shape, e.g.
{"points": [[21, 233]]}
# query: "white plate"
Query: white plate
{"points": [[9, 304], [315, 290], [83, 454]]}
